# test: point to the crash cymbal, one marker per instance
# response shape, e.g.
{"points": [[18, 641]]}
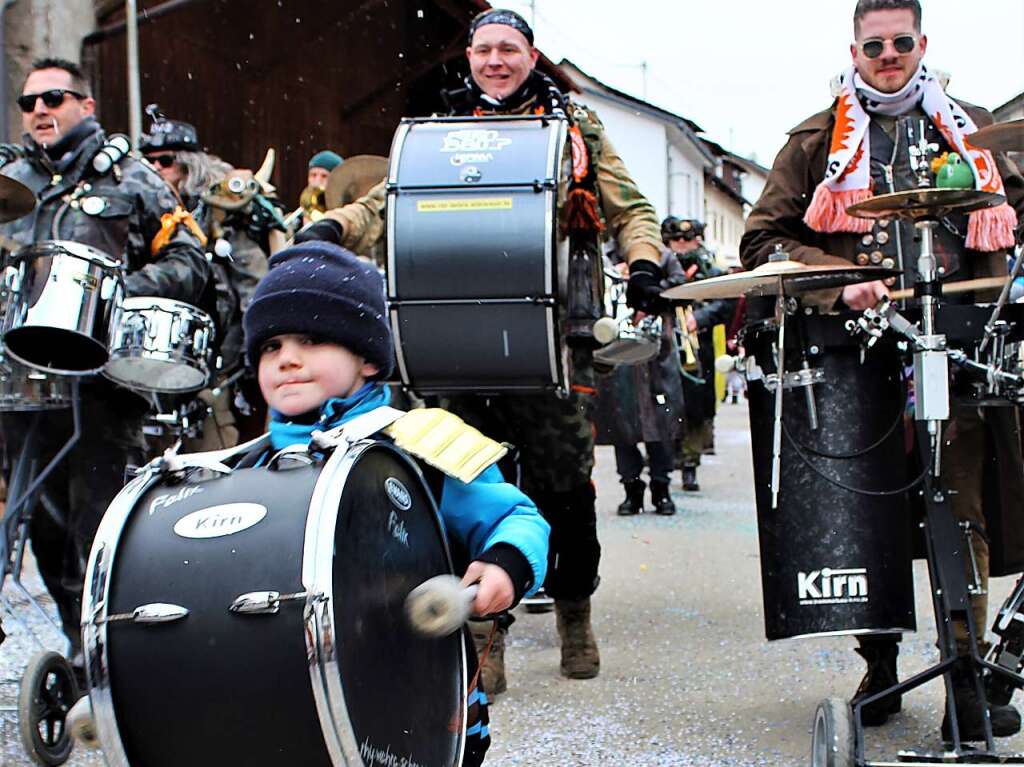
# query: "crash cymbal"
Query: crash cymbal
{"points": [[794, 276], [914, 204], [16, 199], [1000, 137], [355, 177]]}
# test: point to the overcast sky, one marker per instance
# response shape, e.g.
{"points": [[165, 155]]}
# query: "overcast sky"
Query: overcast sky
{"points": [[748, 70]]}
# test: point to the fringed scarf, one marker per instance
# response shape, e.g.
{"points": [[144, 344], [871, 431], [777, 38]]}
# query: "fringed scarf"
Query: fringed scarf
{"points": [[539, 95], [848, 175]]}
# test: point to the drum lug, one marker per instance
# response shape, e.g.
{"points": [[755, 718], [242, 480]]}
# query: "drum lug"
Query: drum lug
{"points": [[263, 602], [156, 612]]}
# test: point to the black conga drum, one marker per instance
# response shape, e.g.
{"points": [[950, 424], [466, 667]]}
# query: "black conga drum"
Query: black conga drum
{"points": [[836, 553], [475, 264], [256, 618]]}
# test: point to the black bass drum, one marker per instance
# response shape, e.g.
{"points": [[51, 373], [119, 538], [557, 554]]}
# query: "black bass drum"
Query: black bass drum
{"points": [[836, 553], [474, 258], [254, 616]]}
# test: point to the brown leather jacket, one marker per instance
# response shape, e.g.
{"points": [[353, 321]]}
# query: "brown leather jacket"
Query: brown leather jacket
{"points": [[777, 218]]}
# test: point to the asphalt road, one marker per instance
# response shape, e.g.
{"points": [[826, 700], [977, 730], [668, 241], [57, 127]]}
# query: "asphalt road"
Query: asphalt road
{"points": [[687, 677]]}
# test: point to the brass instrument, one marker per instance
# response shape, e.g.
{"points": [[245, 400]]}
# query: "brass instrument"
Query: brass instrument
{"points": [[689, 341], [313, 202]]}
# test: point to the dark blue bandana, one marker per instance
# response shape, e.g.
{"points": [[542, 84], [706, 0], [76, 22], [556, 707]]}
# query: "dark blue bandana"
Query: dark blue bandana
{"points": [[501, 16]]}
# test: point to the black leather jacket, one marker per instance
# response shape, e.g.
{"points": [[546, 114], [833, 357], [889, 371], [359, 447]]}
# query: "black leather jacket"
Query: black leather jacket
{"points": [[122, 222]]}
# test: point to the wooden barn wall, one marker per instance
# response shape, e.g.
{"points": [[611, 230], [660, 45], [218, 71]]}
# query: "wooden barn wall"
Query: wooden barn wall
{"points": [[296, 75]]}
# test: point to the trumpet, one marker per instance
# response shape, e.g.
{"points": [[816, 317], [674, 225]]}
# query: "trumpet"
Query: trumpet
{"points": [[312, 207]]}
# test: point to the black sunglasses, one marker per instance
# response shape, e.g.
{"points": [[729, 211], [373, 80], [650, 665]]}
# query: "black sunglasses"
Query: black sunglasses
{"points": [[873, 47], [163, 160], [52, 98]]}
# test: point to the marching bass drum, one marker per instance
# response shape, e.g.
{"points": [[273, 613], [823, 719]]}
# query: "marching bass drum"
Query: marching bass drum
{"points": [[475, 265], [255, 616]]}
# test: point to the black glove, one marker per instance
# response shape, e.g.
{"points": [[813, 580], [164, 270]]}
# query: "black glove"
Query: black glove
{"points": [[643, 292], [324, 230]]}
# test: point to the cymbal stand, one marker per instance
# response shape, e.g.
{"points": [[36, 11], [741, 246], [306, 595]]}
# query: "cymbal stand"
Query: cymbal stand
{"points": [[24, 493], [780, 388]]}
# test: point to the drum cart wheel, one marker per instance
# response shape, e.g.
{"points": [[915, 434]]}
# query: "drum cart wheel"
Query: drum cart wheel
{"points": [[832, 741], [48, 691]]}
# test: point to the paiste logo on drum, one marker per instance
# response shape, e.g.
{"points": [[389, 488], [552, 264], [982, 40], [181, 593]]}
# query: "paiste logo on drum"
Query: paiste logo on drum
{"points": [[831, 587]]}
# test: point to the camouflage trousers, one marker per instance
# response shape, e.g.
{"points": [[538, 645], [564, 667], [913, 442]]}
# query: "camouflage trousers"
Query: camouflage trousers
{"points": [[553, 438], [77, 492]]}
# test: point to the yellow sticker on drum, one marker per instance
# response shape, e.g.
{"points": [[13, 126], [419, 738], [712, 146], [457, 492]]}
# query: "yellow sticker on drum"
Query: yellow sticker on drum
{"points": [[475, 203]]}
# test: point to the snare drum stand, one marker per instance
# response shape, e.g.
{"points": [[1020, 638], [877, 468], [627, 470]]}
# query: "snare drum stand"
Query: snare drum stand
{"points": [[945, 540], [24, 492]]}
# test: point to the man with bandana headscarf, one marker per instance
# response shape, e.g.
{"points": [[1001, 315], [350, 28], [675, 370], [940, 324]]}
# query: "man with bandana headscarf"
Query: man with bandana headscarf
{"points": [[554, 436], [803, 209]]}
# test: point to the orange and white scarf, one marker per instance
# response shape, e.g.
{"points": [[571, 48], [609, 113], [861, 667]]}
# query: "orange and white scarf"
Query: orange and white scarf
{"points": [[848, 172]]}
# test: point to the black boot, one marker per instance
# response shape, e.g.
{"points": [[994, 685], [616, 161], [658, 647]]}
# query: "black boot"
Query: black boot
{"points": [[660, 498], [969, 714], [690, 479], [880, 655], [634, 502]]}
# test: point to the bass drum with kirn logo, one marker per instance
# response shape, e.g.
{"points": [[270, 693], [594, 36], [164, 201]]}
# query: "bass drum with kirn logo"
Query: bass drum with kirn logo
{"points": [[836, 553], [255, 616]]}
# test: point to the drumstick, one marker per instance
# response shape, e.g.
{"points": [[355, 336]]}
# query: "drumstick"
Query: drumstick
{"points": [[440, 605], [982, 283]]}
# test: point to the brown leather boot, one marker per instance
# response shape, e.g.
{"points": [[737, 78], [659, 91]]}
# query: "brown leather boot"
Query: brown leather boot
{"points": [[492, 668], [580, 658]]}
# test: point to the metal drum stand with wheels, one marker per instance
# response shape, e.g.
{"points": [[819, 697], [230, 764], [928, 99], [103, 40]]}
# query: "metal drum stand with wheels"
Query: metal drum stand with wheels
{"points": [[48, 686], [838, 734]]}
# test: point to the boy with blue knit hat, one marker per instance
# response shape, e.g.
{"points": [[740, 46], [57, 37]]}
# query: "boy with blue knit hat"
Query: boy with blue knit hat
{"points": [[317, 334]]}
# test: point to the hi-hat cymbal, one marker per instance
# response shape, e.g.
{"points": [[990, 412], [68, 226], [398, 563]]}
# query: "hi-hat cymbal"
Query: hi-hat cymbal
{"points": [[923, 203], [1000, 137], [356, 176], [765, 280], [16, 199]]}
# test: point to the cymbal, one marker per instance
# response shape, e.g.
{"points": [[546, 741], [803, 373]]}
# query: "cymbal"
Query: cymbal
{"points": [[796, 277], [922, 203], [356, 176], [1000, 137], [16, 199]]}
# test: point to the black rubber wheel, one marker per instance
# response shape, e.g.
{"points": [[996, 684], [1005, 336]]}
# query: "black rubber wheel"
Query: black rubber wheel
{"points": [[48, 691], [832, 743]]}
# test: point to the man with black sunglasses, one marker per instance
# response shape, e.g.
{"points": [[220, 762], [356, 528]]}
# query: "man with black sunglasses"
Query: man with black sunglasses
{"points": [[123, 208], [859, 147]]}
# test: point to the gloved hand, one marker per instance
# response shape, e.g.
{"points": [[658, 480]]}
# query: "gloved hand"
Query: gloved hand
{"points": [[643, 292], [324, 230]]}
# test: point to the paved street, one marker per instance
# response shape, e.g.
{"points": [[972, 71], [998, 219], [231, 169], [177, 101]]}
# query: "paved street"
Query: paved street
{"points": [[687, 678]]}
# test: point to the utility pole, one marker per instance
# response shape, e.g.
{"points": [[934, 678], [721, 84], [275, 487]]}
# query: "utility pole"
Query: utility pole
{"points": [[134, 89]]}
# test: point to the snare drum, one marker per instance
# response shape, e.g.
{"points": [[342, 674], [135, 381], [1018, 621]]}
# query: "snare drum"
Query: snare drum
{"points": [[836, 554], [475, 264], [265, 618], [60, 300], [24, 389], [160, 345]]}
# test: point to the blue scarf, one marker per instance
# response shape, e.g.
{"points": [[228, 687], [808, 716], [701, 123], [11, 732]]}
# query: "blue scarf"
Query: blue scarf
{"points": [[333, 412]]}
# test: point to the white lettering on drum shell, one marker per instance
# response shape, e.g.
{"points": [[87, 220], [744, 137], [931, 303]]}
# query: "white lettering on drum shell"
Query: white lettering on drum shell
{"points": [[166, 501], [373, 754], [218, 521], [474, 141]]}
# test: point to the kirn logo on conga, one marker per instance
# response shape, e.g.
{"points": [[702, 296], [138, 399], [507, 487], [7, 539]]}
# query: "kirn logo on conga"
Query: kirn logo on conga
{"points": [[830, 587]]}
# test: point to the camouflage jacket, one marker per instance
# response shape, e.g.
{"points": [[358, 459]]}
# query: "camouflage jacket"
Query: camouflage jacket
{"points": [[122, 220], [630, 218]]}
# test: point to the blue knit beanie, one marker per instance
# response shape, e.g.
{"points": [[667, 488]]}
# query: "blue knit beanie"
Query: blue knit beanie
{"points": [[322, 290], [326, 159]]}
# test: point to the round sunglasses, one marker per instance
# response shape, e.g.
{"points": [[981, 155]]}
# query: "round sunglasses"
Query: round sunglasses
{"points": [[51, 98], [873, 47]]}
